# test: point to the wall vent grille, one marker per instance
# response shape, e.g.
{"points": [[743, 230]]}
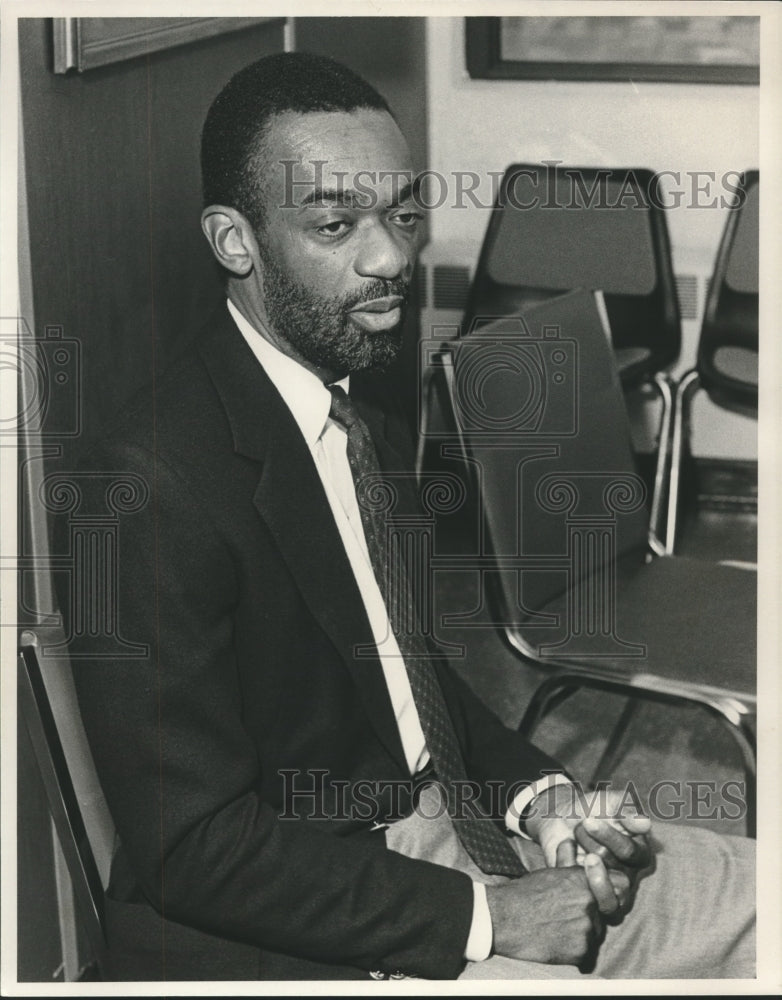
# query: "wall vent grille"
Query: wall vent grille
{"points": [[687, 291], [450, 286]]}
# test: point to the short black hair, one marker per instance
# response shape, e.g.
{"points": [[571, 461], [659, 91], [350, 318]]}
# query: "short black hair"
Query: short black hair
{"points": [[233, 132]]}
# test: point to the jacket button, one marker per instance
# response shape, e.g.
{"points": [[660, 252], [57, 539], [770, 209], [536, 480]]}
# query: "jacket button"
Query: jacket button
{"points": [[377, 974]]}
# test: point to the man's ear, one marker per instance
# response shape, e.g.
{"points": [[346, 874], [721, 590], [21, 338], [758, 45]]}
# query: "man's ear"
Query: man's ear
{"points": [[231, 238]]}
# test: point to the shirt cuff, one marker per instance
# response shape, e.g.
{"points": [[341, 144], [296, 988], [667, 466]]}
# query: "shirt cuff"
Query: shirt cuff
{"points": [[525, 797], [478, 947]]}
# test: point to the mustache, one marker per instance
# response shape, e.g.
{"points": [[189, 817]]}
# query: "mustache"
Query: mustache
{"points": [[378, 288]]}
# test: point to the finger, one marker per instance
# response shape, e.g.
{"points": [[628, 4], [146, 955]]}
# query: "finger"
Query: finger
{"points": [[636, 823], [614, 808], [629, 850], [620, 882], [600, 884], [597, 926], [588, 844], [566, 854], [638, 859], [552, 833]]}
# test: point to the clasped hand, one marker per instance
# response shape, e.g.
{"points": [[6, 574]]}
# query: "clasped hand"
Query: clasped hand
{"points": [[597, 831], [594, 851]]}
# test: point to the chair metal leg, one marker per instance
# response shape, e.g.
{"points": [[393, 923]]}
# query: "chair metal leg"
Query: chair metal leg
{"points": [[547, 697], [752, 807], [617, 742], [663, 383], [744, 736], [739, 721], [684, 392]]}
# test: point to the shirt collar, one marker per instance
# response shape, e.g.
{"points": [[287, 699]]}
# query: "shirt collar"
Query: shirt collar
{"points": [[304, 394]]}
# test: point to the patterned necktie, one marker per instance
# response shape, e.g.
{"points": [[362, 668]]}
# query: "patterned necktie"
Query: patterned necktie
{"points": [[483, 841]]}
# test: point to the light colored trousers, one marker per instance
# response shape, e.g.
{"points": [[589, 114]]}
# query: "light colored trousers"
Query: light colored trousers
{"points": [[693, 915]]}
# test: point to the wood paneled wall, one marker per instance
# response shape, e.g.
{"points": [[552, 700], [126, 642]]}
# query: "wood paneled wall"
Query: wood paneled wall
{"points": [[118, 258]]}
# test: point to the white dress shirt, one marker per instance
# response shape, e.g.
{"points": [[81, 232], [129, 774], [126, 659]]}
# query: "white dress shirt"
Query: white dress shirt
{"points": [[309, 401]]}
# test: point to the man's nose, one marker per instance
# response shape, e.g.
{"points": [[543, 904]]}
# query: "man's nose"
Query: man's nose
{"points": [[380, 255]]}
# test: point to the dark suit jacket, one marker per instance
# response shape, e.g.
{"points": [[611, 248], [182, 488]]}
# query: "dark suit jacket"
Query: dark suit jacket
{"points": [[234, 575]]}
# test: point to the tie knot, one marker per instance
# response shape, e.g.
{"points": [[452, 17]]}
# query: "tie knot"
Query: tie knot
{"points": [[342, 409]]}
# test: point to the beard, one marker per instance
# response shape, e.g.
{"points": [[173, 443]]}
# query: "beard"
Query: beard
{"points": [[320, 327]]}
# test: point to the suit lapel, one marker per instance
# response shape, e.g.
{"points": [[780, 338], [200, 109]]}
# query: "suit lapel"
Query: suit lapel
{"points": [[292, 502]]}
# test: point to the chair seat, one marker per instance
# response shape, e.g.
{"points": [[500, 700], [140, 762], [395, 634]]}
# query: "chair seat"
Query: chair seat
{"points": [[627, 356], [738, 363], [695, 622]]}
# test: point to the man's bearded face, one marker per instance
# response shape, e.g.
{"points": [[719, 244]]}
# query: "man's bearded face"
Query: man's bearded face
{"points": [[338, 239], [321, 328]]}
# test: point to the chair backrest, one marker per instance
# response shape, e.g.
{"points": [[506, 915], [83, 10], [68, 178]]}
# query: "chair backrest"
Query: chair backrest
{"points": [[554, 229], [728, 347], [63, 801], [541, 415]]}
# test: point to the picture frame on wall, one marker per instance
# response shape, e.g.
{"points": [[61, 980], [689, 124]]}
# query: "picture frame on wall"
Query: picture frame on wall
{"points": [[706, 49], [85, 43]]}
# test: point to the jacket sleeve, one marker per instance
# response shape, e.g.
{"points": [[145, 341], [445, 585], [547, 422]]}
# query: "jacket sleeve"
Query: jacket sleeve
{"points": [[180, 772]]}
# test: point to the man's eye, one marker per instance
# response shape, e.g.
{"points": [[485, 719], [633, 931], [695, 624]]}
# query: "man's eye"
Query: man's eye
{"points": [[408, 219], [337, 228]]}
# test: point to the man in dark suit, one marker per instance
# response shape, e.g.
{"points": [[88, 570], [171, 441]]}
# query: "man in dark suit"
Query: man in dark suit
{"points": [[255, 757]]}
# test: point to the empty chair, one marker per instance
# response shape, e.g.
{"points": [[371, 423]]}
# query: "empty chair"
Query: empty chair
{"points": [[543, 426], [727, 360], [556, 228]]}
